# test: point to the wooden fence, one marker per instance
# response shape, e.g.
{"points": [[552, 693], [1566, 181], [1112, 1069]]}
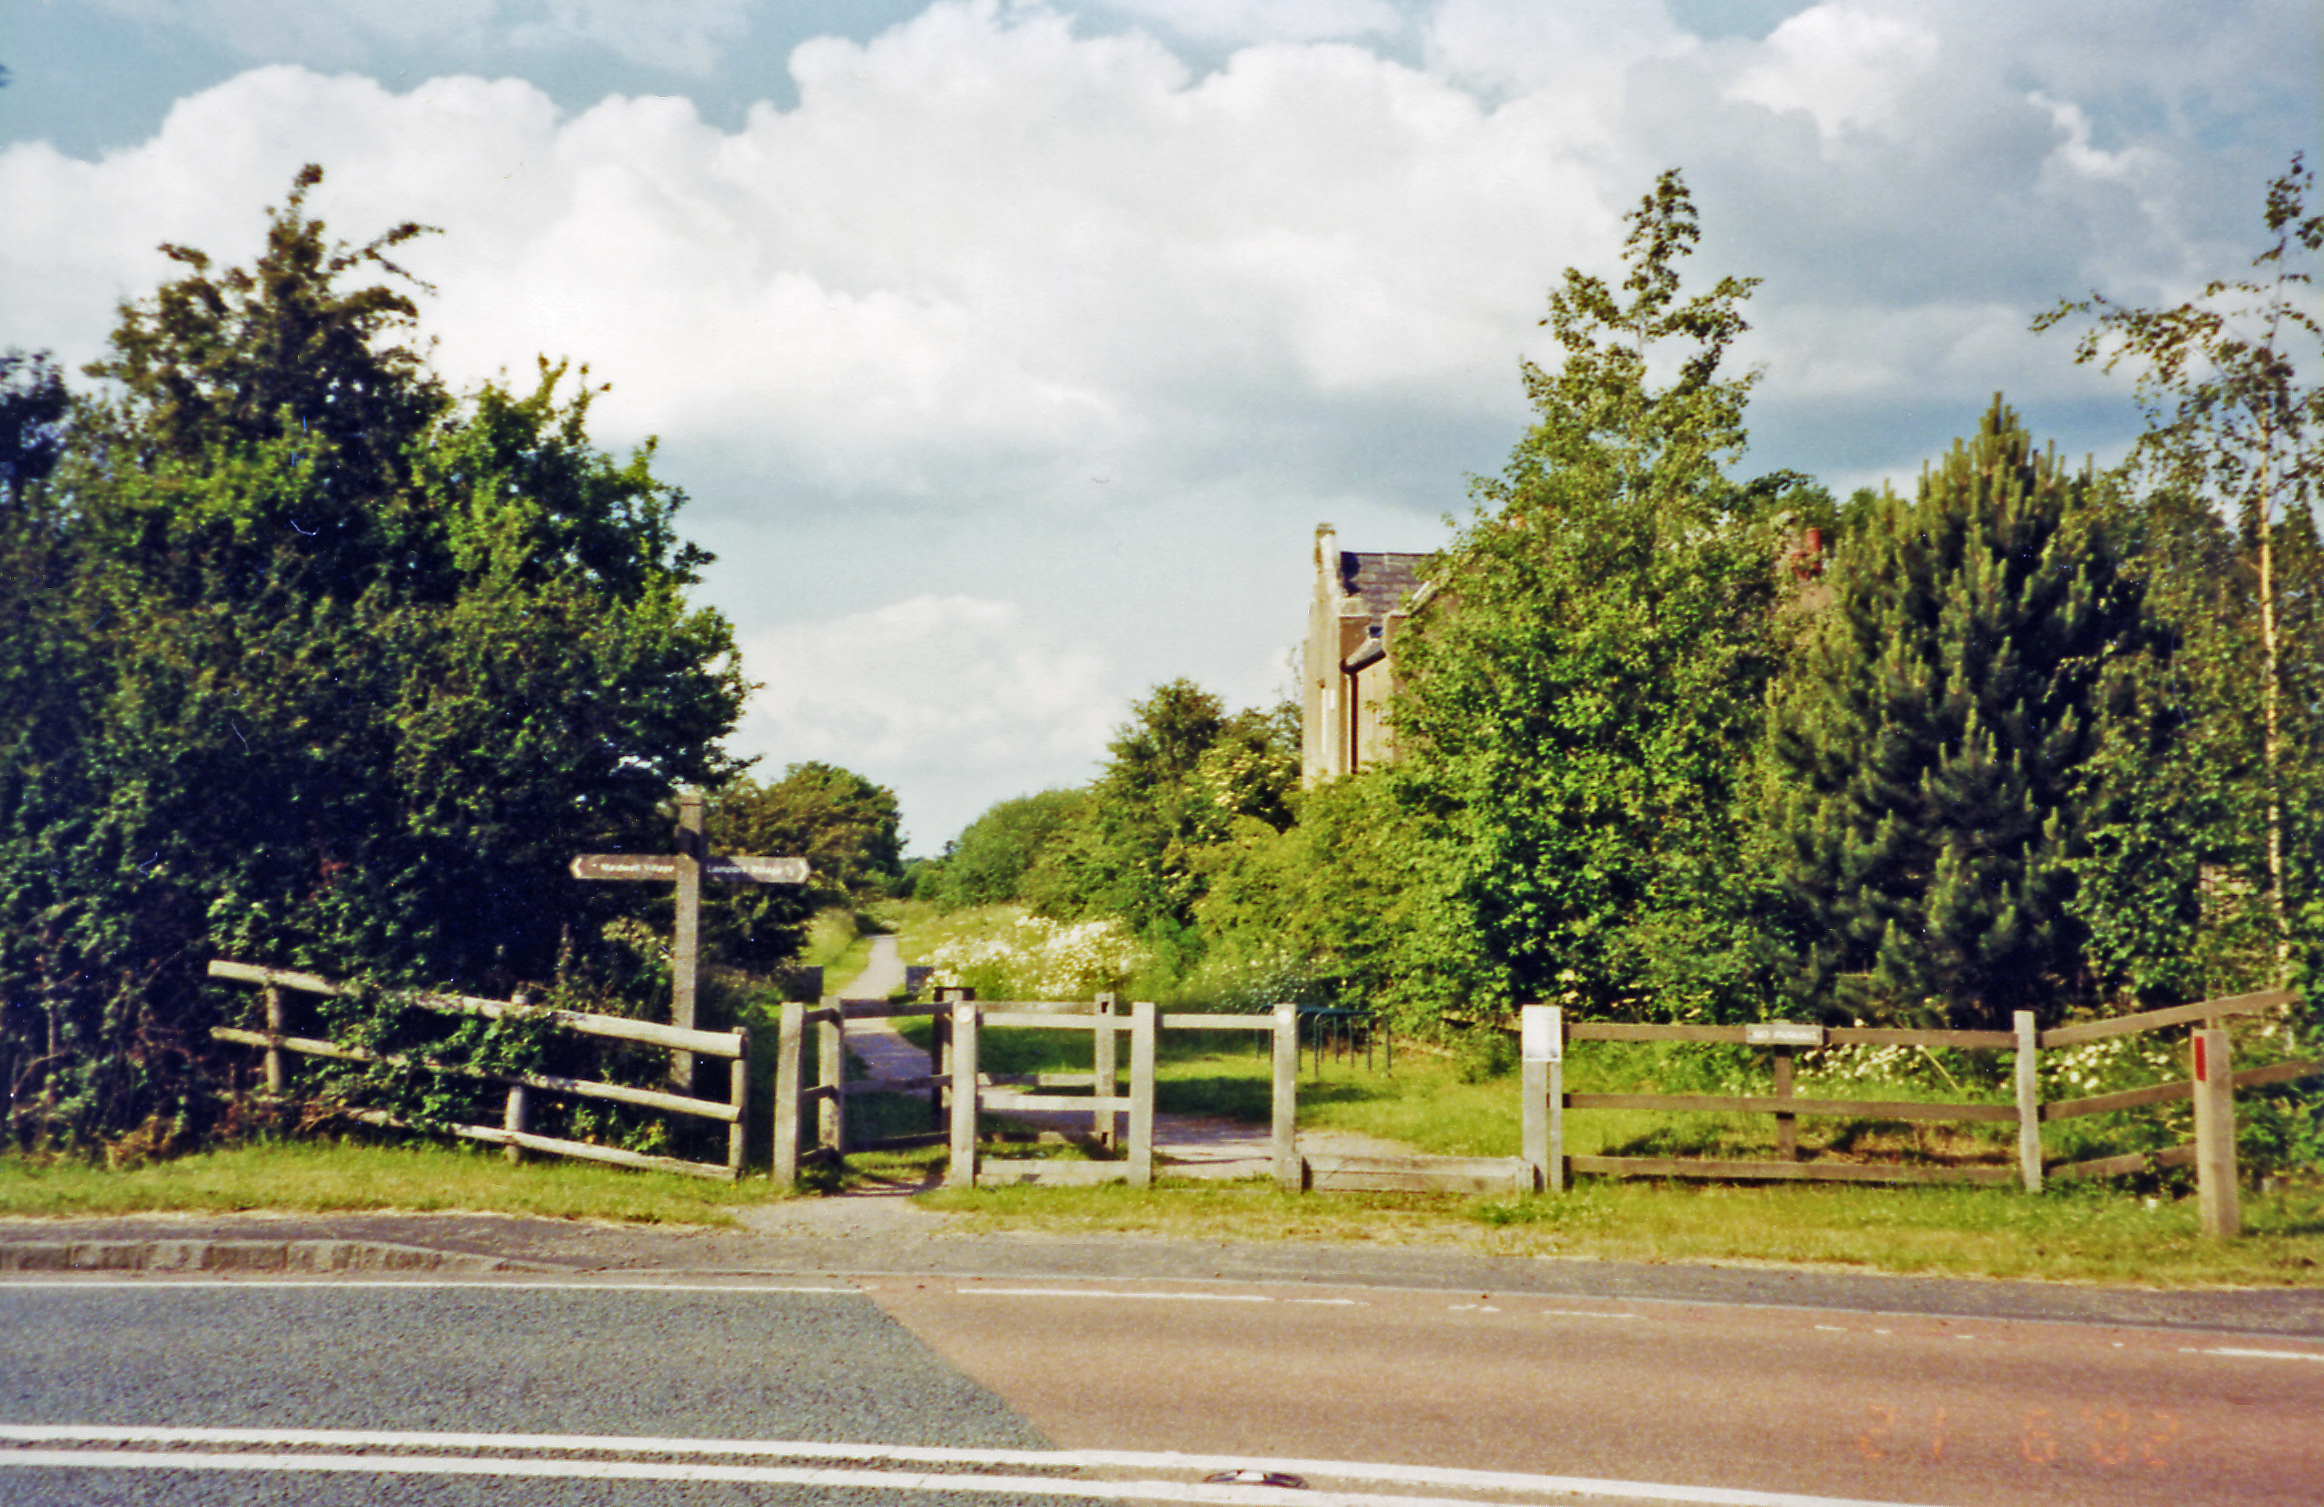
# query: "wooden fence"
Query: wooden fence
{"points": [[1544, 1034], [960, 1027], [512, 1132]]}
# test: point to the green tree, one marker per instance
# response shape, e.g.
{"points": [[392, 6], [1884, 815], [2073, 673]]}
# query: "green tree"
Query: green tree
{"points": [[344, 670], [1179, 775], [1937, 734], [847, 828], [2231, 422], [993, 859], [33, 405], [1588, 677]]}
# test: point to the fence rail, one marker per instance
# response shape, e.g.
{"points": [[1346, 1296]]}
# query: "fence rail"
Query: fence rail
{"points": [[512, 1132], [1544, 1033]]}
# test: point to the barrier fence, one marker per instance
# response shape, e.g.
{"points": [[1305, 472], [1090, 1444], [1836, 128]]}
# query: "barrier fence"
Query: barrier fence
{"points": [[513, 1132], [1545, 1033]]}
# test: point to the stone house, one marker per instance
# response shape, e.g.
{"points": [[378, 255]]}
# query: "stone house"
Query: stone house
{"points": [[1361, 602]]}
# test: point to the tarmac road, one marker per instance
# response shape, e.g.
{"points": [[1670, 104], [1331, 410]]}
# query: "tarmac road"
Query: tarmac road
{"points": [[596, 1388], [1772, 1399]]}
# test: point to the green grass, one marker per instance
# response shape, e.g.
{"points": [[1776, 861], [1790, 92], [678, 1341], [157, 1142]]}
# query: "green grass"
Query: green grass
{"points": [[2094, 1235], [2072, 1233], [314, 1177], [837, 944]]}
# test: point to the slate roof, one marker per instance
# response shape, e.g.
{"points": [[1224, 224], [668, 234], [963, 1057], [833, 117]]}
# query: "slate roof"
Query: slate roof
{"points": [[1380, 582]]}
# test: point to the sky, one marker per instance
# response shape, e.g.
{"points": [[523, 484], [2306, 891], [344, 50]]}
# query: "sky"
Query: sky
{"points": [[1010, 353]]}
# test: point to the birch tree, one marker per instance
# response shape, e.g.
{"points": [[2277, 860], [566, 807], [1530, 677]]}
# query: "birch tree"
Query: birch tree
{"points": [[2232, 420]]}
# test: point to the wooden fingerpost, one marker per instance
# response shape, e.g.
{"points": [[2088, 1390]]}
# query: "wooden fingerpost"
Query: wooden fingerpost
{"points": [[2029, 1101], [514, 1119], [686, 941], [1786, 1126], [789, 1047], [961, 1173], [1142, 1094], [1289, 1176], [1103, 1067], [686, 868], [831, 1078], [277, 1027], [738, 1091], [1541, 1050], [2215, 1193]]}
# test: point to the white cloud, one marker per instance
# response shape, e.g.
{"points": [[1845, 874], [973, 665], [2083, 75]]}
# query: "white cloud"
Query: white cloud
{"points": [[957, 699], [996, 254], [1847, 67]]}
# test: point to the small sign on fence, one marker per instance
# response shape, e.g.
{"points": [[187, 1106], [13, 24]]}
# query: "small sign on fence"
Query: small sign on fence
{"points": [[1783, 1033]]}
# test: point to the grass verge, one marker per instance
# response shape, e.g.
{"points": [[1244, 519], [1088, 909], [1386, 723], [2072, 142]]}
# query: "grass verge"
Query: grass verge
{"points": [[2097, 1236], [318, 1177]]}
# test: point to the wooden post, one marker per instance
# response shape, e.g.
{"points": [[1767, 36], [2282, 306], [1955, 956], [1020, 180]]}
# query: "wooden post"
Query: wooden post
{"points": [[961, 1173], [2215, 1192], [1142, 1094], [1541, 1042], [939, 1065], [515, 1119], [686, 943], [1103, 1068], [1533, 1085], [2029, 1101], [1555, 1180], [277, 1026], [1786, 1126], [831, 1076], [738, 1089], [788, 1049], [1288, 1175]]}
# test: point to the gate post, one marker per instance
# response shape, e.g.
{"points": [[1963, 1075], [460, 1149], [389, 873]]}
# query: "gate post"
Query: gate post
{"points": [[277, 1025], [961, 1171], [2215, 1135], [1142, 1094], [738, 1094], [788, 1043], [2029, 1101], [1104, 1069], [1541, 1036], [1288, 1175], [831, 1077]]}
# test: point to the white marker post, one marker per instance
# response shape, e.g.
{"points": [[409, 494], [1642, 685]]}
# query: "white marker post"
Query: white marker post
{"points": [[2215, 1135], [1541, 1049]]}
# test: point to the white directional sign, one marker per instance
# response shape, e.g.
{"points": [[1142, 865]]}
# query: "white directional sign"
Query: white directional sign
{"points": [[664, 866]]}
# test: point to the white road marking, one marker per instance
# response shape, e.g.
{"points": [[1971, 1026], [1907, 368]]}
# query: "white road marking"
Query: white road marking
{"points": [[509, 1463], [231, 1280], [2267, 1354], [1097, 1292], [1331, 1302], [1832, 1328], [1581, 1313]]}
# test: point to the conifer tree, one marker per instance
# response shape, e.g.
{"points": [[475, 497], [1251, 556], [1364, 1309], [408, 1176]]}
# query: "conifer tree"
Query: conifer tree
{"points": [[1935, 737]]}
